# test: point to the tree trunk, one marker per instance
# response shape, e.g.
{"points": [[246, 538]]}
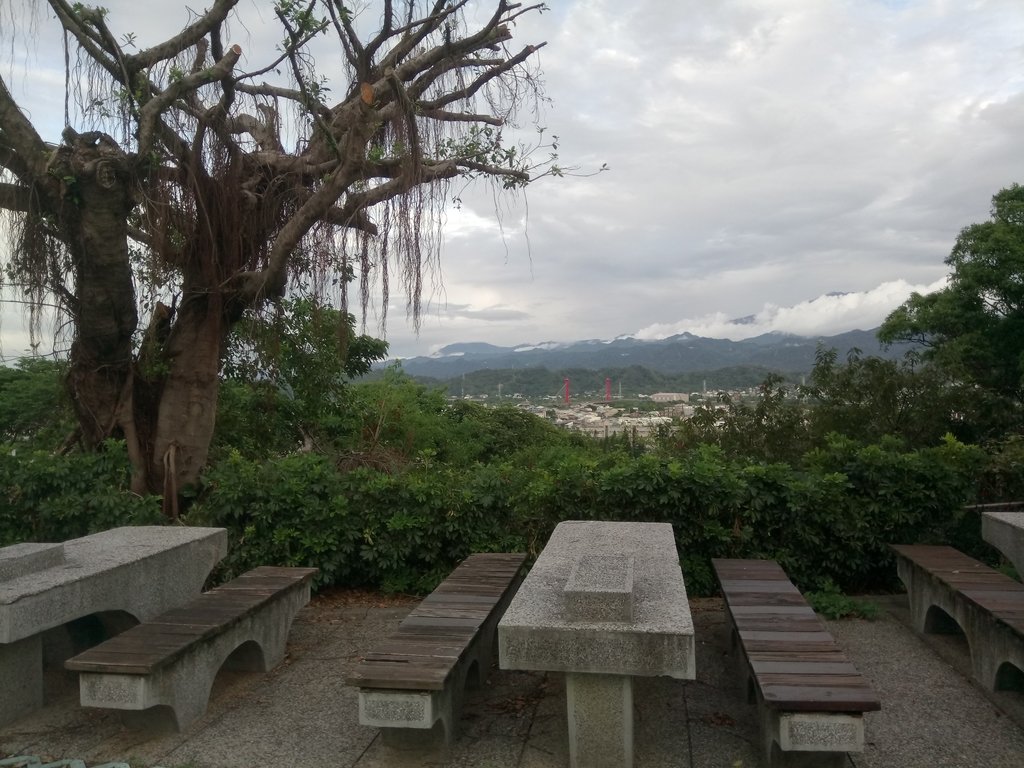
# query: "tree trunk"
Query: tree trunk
{"points": [[164, 403], [94, 214], [185, 412]]}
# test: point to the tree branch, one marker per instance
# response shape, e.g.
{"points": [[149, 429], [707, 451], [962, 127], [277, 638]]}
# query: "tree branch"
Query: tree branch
{"points": [[184, 39], [460, 117], [152, 109], [15, 197], [486, 77], [22, 150]]}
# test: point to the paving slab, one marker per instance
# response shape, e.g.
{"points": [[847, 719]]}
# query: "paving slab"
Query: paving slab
{"points": [[302, 713]]}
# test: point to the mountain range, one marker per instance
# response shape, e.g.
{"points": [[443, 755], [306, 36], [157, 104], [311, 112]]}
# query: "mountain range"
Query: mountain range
{"points": [[683, 353]]}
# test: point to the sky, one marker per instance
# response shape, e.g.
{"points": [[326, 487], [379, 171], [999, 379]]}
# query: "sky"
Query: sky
{"points": [[802, 164]]}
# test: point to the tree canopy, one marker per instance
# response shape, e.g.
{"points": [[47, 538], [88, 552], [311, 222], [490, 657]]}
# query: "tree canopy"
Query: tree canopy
{"points": [[195, 181], [974, 328]]}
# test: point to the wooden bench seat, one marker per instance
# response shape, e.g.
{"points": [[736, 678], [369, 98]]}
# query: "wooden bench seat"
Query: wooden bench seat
{"points": [[411, 684], [944, 586], [171, 661], [810, 698]]}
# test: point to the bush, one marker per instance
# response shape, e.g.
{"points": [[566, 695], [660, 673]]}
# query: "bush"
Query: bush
{"points": [[44, 497], [827, 524]]}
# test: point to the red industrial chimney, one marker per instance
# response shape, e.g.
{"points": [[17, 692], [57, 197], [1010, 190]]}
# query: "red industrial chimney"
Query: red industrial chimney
{"points": [[566, 391], [607, 390]]}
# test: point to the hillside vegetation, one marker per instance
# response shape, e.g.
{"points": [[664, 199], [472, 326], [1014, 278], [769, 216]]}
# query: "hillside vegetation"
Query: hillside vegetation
{"points": [[389, 483]]}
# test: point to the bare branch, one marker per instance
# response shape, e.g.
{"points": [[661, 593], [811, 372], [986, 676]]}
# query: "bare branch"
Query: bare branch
{"points": [[482, 80], [461, 117], [271, 91], [263, 133], [153, 108], [183, 40], [27, 153], [77, 23], [15, 197]]}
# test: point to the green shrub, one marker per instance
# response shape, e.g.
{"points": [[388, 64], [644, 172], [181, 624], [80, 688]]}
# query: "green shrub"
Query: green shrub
{"points": [[833, 604], [44, 497]]}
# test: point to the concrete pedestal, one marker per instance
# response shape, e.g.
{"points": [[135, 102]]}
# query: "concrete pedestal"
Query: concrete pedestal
{"points": [[1005, 532], [21, 678], [600, 710], [139, 570], [605, 602]]}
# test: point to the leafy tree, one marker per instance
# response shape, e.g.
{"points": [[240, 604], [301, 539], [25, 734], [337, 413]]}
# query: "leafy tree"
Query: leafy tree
{"points": [[298, 364], [32, 406], [212, 185], [868, 398], [974, 328], [771, 428]]}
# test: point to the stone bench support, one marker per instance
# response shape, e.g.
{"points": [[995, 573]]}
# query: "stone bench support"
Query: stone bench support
{"points": [[604, 602], [140, 571], [413, 683], [183, 684], [988, 607]]}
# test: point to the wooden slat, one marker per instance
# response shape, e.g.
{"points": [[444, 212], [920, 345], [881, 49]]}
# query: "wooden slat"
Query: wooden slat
{"points": [[436, 635], [988, 589], [150, 645], [795, 661], [802, 698]]}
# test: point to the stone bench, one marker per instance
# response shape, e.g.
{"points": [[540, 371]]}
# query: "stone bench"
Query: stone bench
{"points": [[411, 684], [811, 700], [118, 577], [945, 586], [171, 661]]}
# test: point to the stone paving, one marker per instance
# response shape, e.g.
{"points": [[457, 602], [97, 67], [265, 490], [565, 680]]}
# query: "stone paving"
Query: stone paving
{"points": [[302, 713]]}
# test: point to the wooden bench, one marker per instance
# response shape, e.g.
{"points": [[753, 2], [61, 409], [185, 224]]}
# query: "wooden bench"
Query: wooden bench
{"points": [[412, 684], [810, 698], [946, 586], [170, 662]]}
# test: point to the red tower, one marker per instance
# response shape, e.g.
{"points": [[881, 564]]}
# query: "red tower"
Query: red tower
{"points": [[566, 382], [607, 390]]}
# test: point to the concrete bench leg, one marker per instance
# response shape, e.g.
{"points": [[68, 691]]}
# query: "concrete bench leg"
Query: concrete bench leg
{"points": [[810, 739], [21, 678], [600, 709], [185, 685], [409, 719]]}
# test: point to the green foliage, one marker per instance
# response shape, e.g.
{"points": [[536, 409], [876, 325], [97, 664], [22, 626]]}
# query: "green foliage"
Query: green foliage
{"points": [[404, 526], [363, 527], [33, 407], [830, 602], [869, 398], [974, 328], [53, 498], [771, 428], [297, 366], [636, 379], [286, 511]]}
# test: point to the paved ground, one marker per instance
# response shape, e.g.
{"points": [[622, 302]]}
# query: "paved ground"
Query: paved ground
{"points": [[303, 714]]}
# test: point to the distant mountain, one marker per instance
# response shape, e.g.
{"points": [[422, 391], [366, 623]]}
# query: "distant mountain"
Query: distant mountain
{"points": [[684, 353]]}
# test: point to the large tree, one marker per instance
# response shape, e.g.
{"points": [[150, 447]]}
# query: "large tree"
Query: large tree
{"points": [[974, 327], [219, 184]]}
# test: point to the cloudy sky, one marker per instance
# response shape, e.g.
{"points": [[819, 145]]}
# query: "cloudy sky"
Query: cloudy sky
{"points": [[805, 162]]}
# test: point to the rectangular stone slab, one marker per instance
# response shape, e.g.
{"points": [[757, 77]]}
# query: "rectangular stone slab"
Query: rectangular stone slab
{"points": [[600, 588], [23, 559], [536, 633], [1005, 532]]}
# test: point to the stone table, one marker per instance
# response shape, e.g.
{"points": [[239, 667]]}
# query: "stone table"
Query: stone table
{"points": [[142, 571], [604, 602], [1005, 532]]}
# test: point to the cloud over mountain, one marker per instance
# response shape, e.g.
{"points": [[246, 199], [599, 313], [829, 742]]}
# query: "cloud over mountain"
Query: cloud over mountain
{"points": [[829, 314]]}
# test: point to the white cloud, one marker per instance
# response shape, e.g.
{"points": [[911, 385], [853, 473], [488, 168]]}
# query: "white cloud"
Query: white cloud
{"points": [[761, 152], [822, 316]]}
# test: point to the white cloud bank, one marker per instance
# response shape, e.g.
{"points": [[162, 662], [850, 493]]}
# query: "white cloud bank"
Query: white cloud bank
{"points": [[823, 316]]}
